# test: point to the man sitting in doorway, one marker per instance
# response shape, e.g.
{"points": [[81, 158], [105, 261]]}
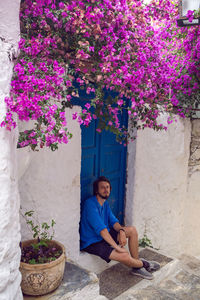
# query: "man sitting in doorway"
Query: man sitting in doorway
{"points": [[102, 235]]}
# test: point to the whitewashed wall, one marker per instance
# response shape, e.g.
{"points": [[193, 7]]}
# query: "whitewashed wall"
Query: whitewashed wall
{"points": [[192, 209], [9, 198], [49, 184], [161, 196], [158, 192]]}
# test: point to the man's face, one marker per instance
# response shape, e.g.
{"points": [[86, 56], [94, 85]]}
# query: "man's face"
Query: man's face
{"points": [[104, 189]]}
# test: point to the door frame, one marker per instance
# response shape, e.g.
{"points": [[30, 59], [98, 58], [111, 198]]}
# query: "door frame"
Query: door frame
{"points": [[81, 102]]}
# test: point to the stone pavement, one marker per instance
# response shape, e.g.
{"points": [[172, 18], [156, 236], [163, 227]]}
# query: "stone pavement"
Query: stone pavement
{"points": [[178, 279], [118, 278], [77, 284]]}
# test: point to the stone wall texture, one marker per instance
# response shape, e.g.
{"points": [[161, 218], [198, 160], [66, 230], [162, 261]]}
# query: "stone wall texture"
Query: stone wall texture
{"points": [[192, 211], [49, 184], [161, 196], [165, 196], [10, 277], [162, 191]]}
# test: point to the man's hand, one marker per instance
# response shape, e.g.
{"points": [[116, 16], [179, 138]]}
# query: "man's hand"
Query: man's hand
{"points": [[121, 249], [122, 238]]}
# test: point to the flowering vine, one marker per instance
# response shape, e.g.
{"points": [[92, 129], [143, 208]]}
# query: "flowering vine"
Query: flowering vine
{"points": [[101, 46]]}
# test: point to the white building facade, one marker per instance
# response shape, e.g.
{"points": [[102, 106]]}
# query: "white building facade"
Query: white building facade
{"points": [[10, 276], [161, 192], [162, 189]]}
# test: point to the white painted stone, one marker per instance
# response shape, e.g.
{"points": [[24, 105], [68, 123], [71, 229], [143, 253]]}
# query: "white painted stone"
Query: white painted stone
{"points": [[129, 198], [159, 187], [89, 292], [9, 20], [196, 128], [156, 190], [93, 263], [50, 185], [192, 210], [192, 215], [159, 193], [10, 276]]}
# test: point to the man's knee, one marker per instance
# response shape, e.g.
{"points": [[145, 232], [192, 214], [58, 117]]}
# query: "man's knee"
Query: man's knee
{"points": [[121, 257], [125, 256], [132, 231]]}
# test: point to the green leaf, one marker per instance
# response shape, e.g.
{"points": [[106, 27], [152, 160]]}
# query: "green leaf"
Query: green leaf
{"points": [[35, 246], [29, 213], [45, 226], [52, 223], [43, 243], [35, 228], [32, 261]]}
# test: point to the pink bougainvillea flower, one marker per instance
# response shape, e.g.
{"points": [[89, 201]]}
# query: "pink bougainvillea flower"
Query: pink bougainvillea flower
{"points": [[101, 47]]}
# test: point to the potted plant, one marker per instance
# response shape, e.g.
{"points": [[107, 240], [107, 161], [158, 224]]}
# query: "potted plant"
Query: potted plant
{"points": [[42, 259]]}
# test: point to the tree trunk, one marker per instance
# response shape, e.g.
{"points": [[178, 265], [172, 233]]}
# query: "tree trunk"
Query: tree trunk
{"points": [[10, 277]]}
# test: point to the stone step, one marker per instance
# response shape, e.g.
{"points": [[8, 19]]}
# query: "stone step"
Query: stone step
{"points": [[77, 284], [178, 280], [93, 263], [118, 278]]}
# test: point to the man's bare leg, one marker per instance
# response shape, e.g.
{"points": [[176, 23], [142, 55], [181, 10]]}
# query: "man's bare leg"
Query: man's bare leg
{"points": [[132, 259], [132, 235], [126, 259]]}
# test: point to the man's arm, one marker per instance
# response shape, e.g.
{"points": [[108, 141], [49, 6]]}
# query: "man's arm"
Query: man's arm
{"points": [[117, 227], [108, 238], [122, 233]]}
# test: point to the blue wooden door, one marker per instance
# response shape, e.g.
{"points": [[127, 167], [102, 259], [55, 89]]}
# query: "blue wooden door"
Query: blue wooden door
{"points": [[102, 155], [89, 159]]}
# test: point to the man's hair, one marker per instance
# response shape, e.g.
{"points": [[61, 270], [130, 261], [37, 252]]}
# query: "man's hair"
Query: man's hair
{"points": [[96, 184]]}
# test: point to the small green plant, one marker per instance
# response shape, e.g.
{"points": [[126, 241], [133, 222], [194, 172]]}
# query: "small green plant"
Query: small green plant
{"points": [[145, 242], [42, 251], [43, 232]]}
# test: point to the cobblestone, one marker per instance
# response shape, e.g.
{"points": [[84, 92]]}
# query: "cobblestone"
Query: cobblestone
{"points": [[77, 284], [181, 283], [179, 279]]}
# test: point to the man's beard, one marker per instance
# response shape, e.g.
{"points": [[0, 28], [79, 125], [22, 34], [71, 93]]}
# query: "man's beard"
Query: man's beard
{"points": [[103, 197]]}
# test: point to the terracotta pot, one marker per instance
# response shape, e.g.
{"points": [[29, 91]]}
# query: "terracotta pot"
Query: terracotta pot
{"points": [[40, 279]]}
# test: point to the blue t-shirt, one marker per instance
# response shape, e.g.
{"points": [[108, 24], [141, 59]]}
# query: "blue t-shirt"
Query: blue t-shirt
{"points": [[95, 218]]}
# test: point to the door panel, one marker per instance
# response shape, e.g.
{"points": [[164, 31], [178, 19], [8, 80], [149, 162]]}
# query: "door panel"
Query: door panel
{"points": [[89, 160], [103, 157], [113, 163], [89, 138]]}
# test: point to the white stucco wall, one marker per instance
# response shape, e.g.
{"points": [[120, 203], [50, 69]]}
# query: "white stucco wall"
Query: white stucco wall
{"points": [[10, 277], [49, 184], [159, 187], [192, 208], [159, 190]]}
